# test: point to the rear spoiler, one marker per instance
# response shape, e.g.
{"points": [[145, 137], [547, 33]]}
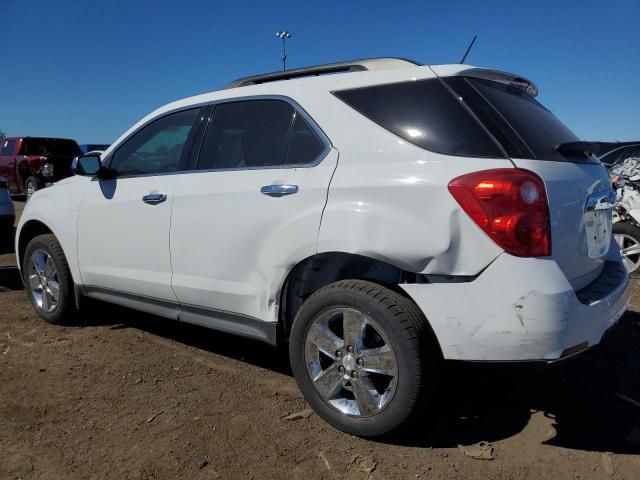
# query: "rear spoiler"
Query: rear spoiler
{"points": [[502, 77]]}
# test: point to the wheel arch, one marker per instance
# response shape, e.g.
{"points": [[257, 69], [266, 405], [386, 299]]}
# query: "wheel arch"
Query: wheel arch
{"points": [[317, 271], [30, 230]]}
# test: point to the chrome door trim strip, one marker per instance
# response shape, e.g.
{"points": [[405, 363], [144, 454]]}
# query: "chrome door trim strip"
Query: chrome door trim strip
{"points": [[220, 320]]}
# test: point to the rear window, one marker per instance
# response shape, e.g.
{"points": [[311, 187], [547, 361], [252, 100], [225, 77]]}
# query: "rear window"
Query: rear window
{"points": [[540, 129], [49, 146], [524, 127], [426, 114], [466, 116]]}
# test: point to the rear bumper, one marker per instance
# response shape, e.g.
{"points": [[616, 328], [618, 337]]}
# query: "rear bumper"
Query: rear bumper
{"points": [[522, 309]]}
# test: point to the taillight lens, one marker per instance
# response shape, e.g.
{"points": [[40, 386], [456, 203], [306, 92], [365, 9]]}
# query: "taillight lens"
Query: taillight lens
{"points": [[510, 205]]}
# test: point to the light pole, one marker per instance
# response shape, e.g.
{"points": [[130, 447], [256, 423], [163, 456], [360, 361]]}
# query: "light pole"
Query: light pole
{"points": [[283, 35]]}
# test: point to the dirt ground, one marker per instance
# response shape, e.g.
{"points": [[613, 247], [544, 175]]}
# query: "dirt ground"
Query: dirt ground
{"points": [[127, 395]]}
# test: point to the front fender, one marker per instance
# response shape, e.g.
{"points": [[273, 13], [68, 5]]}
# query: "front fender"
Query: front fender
{"points": [[57, 208]]}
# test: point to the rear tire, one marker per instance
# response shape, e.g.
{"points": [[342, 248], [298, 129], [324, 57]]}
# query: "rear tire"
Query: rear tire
{"points": [[627, 236], [31, 186], [48, 280], [375, 379]]}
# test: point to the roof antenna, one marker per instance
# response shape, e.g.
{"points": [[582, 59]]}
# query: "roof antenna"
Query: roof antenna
{"points": [[469, 49]]}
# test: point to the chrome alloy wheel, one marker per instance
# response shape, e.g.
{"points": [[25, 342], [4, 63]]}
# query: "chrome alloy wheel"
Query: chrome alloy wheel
{"points": [[43, 281], [630, 251], [351, 362], [31, 188]]}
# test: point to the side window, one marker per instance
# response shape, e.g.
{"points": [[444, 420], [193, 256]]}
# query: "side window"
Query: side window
{"points": [[424, 113], [246, 134], [9, 145], [304, 146], [157, 147]]}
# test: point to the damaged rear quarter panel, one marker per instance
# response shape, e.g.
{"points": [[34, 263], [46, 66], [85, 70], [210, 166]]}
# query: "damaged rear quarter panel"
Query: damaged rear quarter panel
{"points": [[389, 200]]}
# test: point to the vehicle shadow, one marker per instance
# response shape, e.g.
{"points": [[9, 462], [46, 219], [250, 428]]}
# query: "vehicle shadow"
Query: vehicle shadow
{"points": [[583, 398], [591, 402], [246, 350]]}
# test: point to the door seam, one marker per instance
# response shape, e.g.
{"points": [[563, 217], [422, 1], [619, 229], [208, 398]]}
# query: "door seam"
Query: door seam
{"points": [[326, 198]]}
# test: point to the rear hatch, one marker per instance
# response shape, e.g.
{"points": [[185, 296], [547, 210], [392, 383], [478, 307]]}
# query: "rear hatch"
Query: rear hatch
{"points": [[578, 186]]}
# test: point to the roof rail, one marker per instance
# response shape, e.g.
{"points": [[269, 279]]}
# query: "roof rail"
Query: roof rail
{"points": [[381, 63]]}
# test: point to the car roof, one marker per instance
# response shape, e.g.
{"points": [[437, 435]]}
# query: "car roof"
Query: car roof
{"points": [[328, 78]]}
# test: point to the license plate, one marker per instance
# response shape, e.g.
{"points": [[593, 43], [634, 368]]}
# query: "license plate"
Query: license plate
{"points": [[598, 230], [597, 219]]}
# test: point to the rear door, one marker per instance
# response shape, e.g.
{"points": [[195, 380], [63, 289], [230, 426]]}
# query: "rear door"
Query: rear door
{"points": [[250, 210], [575, 182]]}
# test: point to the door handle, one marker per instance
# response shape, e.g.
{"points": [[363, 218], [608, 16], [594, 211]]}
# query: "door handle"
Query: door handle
{"points": [[154, 198], [279, 190]]}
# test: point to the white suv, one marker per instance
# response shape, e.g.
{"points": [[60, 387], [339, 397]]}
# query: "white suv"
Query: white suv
{"points": [[378, 215]]}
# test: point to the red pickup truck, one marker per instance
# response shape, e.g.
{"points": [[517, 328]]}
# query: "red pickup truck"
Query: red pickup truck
{"points": [[31, 163]]}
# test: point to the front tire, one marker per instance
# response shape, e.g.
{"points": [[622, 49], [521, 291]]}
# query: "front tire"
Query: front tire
{"points": [[627, 237], [364, 357], [48, 280]]}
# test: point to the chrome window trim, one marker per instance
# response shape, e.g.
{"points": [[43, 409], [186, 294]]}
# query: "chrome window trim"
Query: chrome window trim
{"points": [[297, 109]]}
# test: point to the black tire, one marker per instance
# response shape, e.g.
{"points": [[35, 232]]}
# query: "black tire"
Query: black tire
{"points": [[31, 185], [65, 309], [417, 353], [630, 230]]}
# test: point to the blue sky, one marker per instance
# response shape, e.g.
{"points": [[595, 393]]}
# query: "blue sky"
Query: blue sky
{"points": [[88, 70]]}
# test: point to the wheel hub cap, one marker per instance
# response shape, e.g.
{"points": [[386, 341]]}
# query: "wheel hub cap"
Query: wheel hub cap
{"points": [[630, 251], [351, 362], [43, 281]]}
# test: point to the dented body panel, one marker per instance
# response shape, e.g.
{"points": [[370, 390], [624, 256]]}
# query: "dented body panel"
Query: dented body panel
{"points": [[521, 309]]}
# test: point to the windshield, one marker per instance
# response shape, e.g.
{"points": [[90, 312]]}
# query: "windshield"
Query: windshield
{"points": [[50, 146]]}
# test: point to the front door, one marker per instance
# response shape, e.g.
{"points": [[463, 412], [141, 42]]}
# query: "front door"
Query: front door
{"points": [[123, 225]]}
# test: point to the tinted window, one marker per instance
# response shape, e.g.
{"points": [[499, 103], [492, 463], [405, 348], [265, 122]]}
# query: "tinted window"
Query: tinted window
{"points": [[9, 145], [304, 145], [490, 118], [246, 134], [50, 146], [156, 148], [426, 114], [540, 129]]}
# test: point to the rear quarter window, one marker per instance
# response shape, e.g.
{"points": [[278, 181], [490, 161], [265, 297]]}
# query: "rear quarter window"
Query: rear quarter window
{"points": [[424, 113]]}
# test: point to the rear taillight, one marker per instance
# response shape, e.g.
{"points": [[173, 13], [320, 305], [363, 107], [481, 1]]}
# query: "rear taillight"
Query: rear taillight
{"points": [[510, 205]]}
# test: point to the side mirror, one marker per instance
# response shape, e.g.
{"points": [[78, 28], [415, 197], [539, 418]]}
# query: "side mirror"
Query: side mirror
{"points": [[86, 165]]}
